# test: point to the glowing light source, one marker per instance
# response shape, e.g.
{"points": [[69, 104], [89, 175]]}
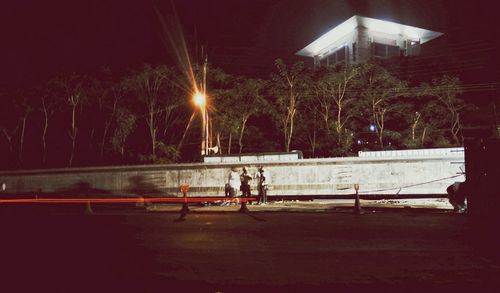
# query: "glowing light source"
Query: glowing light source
{"points": [[345, 32], [199, 99]]}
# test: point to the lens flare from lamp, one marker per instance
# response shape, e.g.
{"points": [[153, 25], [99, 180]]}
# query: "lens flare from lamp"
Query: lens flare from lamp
{"points": [[199, 99]]}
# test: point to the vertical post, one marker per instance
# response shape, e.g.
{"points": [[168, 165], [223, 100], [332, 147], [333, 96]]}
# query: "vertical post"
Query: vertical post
{"points": [[203, 132], [244, 208], [207, 133], [357, 206], [88, 208], [184, 189], [141, 203], [204, 143]]}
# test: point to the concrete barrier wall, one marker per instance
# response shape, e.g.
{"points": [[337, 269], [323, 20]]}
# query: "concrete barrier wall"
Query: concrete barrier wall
{"points": [[459, 151], [332, 176], [256, 157]]}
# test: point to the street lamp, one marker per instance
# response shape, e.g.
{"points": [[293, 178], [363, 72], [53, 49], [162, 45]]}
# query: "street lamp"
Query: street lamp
{"points": [[200, 99]]}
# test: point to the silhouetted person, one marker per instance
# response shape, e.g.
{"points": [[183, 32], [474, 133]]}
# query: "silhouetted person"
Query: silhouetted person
{"points": [[262, 185], [457, 195], [245, 178]]}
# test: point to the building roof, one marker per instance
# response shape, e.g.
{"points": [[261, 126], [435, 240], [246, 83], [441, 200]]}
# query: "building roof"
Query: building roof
{"points": [[372, 24]]}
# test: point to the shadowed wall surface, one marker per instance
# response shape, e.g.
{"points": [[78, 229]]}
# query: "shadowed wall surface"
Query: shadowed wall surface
{"points": [[415, 175]]}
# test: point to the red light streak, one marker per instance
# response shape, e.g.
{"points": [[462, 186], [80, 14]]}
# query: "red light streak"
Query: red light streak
{"points": [[128, 200]]}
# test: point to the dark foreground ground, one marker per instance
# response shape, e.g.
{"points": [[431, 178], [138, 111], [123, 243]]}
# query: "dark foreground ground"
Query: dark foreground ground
{"points": [[117, 250]]}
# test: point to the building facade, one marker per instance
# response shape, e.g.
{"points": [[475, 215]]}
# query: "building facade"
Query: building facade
{"points": [[359, 39]]}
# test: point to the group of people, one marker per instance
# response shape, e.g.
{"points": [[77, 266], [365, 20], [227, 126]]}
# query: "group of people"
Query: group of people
{"points": [[241, 182]]}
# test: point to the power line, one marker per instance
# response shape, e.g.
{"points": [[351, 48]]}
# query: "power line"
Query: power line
{"points": [[455, 50]]}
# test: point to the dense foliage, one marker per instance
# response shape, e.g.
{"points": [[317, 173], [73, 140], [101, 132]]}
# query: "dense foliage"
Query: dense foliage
{"points": [[147, 116]]}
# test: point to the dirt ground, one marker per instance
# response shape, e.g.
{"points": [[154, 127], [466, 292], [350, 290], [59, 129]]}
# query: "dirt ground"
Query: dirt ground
{"points": [[137, 250]]}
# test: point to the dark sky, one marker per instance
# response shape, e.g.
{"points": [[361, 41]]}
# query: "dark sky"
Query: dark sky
{"points": [[42, 38]]}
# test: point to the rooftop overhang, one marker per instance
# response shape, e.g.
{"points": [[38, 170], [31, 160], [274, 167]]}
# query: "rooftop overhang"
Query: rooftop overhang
{"points": [[375, 25]]}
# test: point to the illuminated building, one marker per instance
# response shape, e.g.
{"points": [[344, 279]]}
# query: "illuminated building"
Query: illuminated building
{"points": [[360, 39]]}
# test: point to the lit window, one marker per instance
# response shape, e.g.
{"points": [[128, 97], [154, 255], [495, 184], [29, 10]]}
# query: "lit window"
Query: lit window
{"points": [[336, 57], [384, 51]]}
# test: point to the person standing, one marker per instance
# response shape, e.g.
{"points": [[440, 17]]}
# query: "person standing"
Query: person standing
{"points": [[233, 183], [262, 184], [245, 178]]}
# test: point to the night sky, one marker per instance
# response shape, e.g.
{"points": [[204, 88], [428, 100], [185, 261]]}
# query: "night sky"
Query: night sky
{"points": [[43, 38]]}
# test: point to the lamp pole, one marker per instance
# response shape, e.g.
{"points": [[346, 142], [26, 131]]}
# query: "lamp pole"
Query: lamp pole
{"points": [[207, 145], [203, 131], [200, 99], [205, 114]]}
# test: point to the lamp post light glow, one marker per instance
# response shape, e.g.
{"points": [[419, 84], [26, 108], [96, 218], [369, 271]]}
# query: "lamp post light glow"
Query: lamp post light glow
{"points": [[200, 99]]}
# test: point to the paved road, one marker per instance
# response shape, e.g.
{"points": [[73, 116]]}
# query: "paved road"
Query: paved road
{"points": [[139, 251]]}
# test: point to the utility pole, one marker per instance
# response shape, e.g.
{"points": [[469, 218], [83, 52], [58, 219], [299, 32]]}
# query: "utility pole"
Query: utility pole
{"points": [[204, 114]]}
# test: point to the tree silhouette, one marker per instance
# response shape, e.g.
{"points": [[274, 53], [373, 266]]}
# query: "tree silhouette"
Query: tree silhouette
{"points": [[72, 88], [288, 88], [447, 89], [379, 88]]}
